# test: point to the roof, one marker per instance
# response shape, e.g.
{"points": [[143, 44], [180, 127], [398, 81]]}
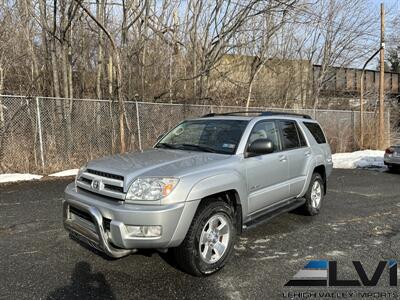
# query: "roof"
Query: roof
{"points": [[221, 117], [252, 114]]}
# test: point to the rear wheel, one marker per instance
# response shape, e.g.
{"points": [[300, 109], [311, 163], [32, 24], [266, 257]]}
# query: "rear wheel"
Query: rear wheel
{"points": [[314, 195], [209, 241]]}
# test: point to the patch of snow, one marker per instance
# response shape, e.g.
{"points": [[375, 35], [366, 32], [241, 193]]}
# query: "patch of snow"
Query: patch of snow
{"points": [[240, 247], [261, 241], [71, 172], [268, 257], [336, 253], [13, 177], [359, 159]]}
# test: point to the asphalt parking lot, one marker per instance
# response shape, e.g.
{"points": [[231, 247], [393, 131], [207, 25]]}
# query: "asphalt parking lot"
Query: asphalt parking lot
{"points": [[360, 221]]}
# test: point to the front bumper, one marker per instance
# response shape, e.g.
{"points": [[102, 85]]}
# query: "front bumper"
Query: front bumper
{"points": [[105, 224], [96, 236]]}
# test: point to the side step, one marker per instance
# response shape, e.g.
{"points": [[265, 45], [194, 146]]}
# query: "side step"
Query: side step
{"points": [[273, 212]]}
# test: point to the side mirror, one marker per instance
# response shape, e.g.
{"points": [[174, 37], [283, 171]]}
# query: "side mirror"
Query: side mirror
{"points": [[160, 137], [260, 147]]}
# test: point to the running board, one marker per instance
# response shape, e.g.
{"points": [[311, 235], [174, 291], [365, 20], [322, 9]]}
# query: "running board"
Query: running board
{"points": [[273, 212]]}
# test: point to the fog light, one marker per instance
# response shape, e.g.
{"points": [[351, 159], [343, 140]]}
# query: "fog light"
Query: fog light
{"points": [[145, 231]]}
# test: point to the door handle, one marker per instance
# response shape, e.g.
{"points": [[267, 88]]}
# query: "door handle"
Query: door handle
{"points": [[282, 158]]}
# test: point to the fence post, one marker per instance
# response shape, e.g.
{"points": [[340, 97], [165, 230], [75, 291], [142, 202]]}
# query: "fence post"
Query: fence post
{"points": [[138, 126], [388, 131], [39, 122], [353, 129]]}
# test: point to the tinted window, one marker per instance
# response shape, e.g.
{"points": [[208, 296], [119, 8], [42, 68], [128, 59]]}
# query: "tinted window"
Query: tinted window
{"points": [[290, 137], [316, 131], [265, 130]]}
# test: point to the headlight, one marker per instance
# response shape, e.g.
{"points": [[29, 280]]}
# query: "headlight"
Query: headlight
{"points": [[151, 188]]}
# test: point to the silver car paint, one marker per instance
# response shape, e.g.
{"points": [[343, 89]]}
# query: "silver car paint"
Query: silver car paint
{"points": [[260, 182], [393, 159]]}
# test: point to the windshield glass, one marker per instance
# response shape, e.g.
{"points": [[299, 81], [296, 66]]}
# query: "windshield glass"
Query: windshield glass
{"points": [[219, 136]]}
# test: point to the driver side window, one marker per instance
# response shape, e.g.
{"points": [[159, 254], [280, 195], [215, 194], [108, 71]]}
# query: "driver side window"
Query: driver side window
{"points": [[265, 130]]}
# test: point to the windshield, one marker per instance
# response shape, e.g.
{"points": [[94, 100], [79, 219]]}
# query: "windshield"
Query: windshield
{"points": [[219, 136]]}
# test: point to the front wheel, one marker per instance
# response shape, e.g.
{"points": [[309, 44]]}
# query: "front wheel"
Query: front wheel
{"points": [[209, 241], [314, 196]]}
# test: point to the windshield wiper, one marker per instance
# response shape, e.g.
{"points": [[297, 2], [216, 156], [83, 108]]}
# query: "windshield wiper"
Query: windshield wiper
{"points": [[203, 148], [166, 145]]}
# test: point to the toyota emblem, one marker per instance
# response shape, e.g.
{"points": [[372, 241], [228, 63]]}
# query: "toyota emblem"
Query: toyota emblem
{"points": [[96, 184]]}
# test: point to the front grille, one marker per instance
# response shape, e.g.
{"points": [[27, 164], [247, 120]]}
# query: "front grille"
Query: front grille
{"points": [[85, 180], [103, 184], [107, 175], [104, 197], [80, 213], [110, 187]]}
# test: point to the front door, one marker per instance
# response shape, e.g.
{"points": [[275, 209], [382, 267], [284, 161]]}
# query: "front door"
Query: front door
{"points": [[267, 174]]}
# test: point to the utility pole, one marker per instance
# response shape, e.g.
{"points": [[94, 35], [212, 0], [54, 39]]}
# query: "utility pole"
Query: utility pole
{"points": [[382, 82]]}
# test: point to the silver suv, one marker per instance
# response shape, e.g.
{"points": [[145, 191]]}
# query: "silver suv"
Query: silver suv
{"points": [[199, 186]]}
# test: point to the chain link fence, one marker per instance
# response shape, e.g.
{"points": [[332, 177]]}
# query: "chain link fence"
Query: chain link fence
{"points": [[45, 135]]}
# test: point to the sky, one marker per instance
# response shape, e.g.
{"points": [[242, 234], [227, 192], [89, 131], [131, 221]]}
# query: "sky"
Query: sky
{"points": [[392, 9]]}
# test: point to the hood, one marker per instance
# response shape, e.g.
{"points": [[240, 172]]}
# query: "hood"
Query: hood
{"points": [[154, 162]]}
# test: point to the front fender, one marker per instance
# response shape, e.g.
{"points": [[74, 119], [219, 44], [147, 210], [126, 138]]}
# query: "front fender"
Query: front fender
{"points": [[205, 187], [218, 183]]}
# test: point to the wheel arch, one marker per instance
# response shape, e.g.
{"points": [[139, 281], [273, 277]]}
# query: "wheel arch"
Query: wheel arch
{"points": [[232, 198], [230, 186], [315, 168], [321, 170]]}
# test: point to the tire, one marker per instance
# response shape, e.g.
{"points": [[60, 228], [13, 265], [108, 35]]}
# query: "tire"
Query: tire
{"points": [[200, 258], [313, 203]]}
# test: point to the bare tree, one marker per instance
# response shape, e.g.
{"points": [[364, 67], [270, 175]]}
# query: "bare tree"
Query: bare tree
{"points": [[171, 50], [336, 33]]}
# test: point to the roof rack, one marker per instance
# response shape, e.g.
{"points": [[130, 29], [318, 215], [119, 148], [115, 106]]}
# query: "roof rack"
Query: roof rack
{"points": [[259, 113]]}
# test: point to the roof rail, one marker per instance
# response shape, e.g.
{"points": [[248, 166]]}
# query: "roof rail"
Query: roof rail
{"points": [[259, 113]]}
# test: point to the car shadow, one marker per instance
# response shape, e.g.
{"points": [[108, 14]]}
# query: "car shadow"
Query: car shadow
{"points": [[167, 257], [85, 284], [90, 248]]}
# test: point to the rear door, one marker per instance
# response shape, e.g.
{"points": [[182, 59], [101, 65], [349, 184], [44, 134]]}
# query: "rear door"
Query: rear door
{"points": [[267, 174], [298, 154]]}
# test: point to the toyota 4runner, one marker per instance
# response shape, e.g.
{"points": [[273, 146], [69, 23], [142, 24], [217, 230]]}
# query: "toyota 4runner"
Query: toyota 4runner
{"points": [[199, 186]]}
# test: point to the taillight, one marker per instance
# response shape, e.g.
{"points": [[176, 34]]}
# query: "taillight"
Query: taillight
{"points": [[389, 151]]}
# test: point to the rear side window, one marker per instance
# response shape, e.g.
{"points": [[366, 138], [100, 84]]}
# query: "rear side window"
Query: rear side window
{"points": [[290, 135], [316, 131]]}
